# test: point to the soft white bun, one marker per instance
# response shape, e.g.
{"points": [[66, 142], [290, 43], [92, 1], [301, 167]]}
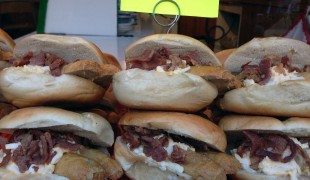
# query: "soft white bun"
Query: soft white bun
{"points": [[67, 47], [31, 86], [86, 124], [294, 126], [256, 49], [153, 90], [244, 122], [187, 125], [6, 42], [176, 44], [134, 166], [9, 175], [289, 98]]}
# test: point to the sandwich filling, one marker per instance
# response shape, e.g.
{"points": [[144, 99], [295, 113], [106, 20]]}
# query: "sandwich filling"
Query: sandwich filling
{"points": [[274, 154], [35, 151], [169, 152], [270, 71], [151, 59], [42, 59]]}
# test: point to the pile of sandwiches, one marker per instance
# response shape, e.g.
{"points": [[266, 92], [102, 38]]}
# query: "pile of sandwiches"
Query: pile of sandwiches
{"points": [[176, 111]]}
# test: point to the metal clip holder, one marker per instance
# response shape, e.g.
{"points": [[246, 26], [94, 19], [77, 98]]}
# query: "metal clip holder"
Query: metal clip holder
{"points": [[176, 18]]}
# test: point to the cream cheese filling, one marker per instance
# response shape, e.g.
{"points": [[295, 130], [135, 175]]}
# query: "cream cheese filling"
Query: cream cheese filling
{"points": [[276, 77], [165, 165]]}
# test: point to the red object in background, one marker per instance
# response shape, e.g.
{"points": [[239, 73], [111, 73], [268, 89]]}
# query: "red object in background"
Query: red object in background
{"points": [[299, 29]]}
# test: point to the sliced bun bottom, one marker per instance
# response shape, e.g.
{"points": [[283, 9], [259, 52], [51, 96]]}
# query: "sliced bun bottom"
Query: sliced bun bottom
{"points": [[136, 88], [289, 98], [29, 86]]}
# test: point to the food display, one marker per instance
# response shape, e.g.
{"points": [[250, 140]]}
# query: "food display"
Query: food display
{"points": [[177, 111], [274, 72], [50, 128]]}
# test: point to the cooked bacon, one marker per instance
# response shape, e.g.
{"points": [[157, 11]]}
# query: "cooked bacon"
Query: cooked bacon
{"points": [[164, 52], [150, 59], [267, 145], [154, 146], [146, 56], [38, 60], [159, 154], [24, 60], [177, 155], [42, 59], [6, 159], [36, 147], [265, 72]]}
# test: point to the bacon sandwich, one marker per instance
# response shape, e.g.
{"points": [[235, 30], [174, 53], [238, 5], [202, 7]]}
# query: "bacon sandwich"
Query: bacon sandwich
{"points": [[172, 145], [268, 148], [48, 69], [168, 72], [52, 143], [275, 76]]}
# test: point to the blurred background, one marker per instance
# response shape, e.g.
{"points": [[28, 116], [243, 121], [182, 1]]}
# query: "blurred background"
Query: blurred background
{"points": [[238, 22]]}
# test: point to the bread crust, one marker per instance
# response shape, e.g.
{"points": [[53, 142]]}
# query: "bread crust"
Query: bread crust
{"points": [[142, 89], [6, 42], [289, 98], [86, 124], [24, 87], [244, 122], [183, 124], [112, 60], [176, 43], [220, 77], [223, 54], [67, 47], [258, 48]]}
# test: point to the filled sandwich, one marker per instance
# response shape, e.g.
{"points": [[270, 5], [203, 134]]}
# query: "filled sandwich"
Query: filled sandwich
{"points": [[50, 69], [172, 145], [268, 148], [168, 72], [275, 76], [52, 143]]}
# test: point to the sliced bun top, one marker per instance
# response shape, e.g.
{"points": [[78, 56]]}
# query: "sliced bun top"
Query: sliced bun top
{"points": [[6, 42], [293, 126], [86, 124], [258, 48], [187, 125], [67, 47], [176, 43]]}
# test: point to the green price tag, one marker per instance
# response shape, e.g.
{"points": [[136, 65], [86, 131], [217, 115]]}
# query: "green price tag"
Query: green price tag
{"points": [[199, 8]]}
